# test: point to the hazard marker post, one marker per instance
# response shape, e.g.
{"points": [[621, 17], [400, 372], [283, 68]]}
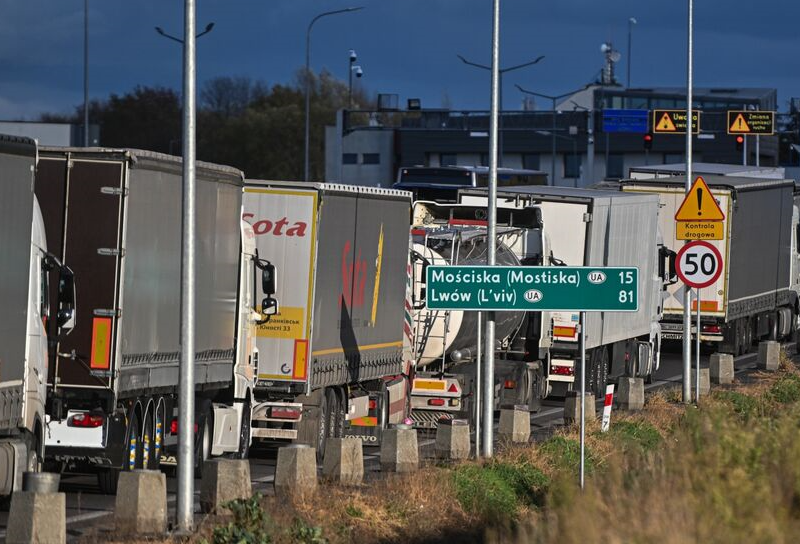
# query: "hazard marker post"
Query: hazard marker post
{"points": [[607, 402]]}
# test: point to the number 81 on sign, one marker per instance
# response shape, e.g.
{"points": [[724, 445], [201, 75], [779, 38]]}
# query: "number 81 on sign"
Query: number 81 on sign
{"points": [[698, 264]]}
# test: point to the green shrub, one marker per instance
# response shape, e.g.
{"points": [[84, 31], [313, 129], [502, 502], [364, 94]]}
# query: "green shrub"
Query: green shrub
{"points": [[744, 405], [304, 533], [639, 434], [786, 389], [565, 453], [497, 490], [250, 523]]}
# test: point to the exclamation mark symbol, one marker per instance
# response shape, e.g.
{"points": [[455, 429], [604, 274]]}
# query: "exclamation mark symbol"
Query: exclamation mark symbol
{"points": [[699, 193]]}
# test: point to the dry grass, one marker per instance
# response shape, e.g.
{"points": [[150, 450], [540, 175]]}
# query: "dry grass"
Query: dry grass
{"points": [[728, 471]]}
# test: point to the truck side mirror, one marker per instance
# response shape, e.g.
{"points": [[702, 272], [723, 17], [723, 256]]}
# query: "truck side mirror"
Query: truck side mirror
{"points": [[269, 307], [268, 279], [666, 265], [66, 300]]}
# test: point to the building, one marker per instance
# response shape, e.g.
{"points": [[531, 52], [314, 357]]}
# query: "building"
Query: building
{"points": [[51, 134], [368, 147]]}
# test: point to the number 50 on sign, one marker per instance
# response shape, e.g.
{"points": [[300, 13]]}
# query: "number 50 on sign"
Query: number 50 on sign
{"points": [[698, 264]]}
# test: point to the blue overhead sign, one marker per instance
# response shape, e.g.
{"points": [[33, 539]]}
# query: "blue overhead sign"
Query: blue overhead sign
{"points": [[625, 120]]}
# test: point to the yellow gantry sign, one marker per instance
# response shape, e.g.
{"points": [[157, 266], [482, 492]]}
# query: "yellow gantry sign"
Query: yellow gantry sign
{"points": [[751, 122], [699, 216]]}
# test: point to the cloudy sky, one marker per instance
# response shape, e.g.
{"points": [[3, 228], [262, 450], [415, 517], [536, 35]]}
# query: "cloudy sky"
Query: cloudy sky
{"points": [[406, 47]]}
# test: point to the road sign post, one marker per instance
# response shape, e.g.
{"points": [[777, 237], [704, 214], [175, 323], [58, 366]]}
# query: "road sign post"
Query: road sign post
{"points": [[533, 288]]}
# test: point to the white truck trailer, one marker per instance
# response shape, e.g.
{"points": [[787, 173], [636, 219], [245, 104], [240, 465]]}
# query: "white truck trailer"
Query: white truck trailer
{"points": [[756, 295], [537, 352], [114, 216], [26, 310], [332, 361]]}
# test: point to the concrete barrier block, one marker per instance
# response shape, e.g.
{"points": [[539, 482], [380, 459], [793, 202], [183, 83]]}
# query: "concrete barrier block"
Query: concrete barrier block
{"points": [[705, 382], [224, 480], [769, 355], [515, 424], [452, 439], [399, 450], [141, 504], [344, 460], [631, 394], [37, 518], [296, 470], [721, 368], [572, 408]]}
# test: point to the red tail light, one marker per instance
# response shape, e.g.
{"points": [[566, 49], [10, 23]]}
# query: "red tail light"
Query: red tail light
{"points": [[510, 384], [562, 370], [173, 427], [435, 402], [373, 404], [284, 413], [712, 329], [86, 420]]}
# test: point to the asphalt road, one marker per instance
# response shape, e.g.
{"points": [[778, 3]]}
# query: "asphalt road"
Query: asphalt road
{"points": [[90, 512]]}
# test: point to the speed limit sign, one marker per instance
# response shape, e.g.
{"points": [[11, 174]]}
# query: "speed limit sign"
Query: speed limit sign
{"points": [[698, 264]]}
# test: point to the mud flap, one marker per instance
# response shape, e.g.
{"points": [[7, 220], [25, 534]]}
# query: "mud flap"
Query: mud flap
{"points": [[308, 427]]}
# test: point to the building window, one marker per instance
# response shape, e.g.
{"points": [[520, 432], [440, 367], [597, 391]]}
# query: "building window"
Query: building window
{"points": [[530, 161], [673, 158], [572, 166], [616, 166], [349, 158], [448, 159], [371, 158]]}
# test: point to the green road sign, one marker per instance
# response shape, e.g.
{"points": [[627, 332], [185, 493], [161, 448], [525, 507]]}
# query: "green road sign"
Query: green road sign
{"points": [[552, 288]]}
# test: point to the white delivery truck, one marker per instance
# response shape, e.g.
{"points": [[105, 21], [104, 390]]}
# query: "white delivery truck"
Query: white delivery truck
{"points": [[332, 361], [114, 216], [537, 352], [27, 309], [756, 295]]}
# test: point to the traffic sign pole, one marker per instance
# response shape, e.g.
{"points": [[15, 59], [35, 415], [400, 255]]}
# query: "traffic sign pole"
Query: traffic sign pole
{"points": [[583, 397], [697, 352], [687, 296]]}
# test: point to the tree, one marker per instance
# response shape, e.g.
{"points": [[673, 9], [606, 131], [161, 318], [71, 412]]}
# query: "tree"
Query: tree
{"points": [[229, 96]]}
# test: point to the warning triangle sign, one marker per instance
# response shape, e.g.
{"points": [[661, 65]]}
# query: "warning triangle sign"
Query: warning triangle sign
{"points": [[699, 204], [666, 124], [739, 124]]}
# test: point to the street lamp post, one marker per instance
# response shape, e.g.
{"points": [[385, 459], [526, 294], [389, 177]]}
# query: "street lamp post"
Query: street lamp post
{"points": [[500, 92], [308, 79], [632, 21], [85, 73], [553, 139], [358, 71]]}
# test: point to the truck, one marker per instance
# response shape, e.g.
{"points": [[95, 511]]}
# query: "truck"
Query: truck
{"points": [[537, 352], [114, 217], [27, 310], [756, 295], [334, 360]]}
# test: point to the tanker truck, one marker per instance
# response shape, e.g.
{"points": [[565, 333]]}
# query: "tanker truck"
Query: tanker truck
{"points": [[536, 352]]}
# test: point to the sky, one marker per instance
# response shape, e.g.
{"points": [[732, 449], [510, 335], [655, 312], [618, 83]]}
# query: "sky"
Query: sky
{"points": [[407, 47]]}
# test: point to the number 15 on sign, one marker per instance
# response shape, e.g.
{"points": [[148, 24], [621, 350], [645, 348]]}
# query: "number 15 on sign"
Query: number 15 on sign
{"points": [[698, 264]]}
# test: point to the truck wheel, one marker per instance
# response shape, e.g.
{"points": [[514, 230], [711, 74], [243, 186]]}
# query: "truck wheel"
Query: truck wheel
{"points": [[149, 443], [773, 327], [245, 432], [748, 336], [203, 444], [107, 481], [158, 435], [323, 425], [535, 387], [134, 444], [34, 461], [598, 375]]}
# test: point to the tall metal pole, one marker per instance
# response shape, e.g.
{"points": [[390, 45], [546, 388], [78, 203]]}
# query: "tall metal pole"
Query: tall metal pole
{"points": [[583, 397], [307, 76], [185, 513], [85, 73], [687, 295], [478, 384], [631, 22], [489, 347], [553, 147], [590, 144], [697, 352]]}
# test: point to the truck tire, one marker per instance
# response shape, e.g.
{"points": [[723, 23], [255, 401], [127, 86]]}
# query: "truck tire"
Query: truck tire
{"points": [[598, 371], [149, 442], [34, 461], [107, 480], [748, 336], [134, 444], [244, 432], [536, 388], [323, 423], [204, 438]]}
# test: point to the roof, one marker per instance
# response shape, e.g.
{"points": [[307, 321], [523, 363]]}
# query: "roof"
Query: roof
{"points": [[678, 168], [737, 183], [330, 187], [559, 193]]}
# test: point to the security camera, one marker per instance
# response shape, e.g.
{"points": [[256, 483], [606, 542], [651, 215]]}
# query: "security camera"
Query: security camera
{"points": [[359, 71], [353, 55]]}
